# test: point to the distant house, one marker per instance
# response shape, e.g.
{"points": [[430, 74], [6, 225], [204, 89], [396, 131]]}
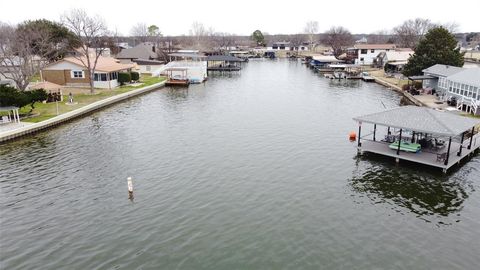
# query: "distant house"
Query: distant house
{"points": [[280, 46], [365, 54], [147, 51], [145, 66], [393, 60], [71, 71], [144, 56], [303, 46]]}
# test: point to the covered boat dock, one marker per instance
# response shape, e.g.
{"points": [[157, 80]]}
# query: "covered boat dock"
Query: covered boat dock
{"points": [[224, 63], [421, 135]]}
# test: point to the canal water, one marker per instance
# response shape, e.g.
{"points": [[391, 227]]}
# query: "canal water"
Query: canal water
{"points": [[251, 170]]}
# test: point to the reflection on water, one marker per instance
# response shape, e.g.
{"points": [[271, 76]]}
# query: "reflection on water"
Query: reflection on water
{"points": [[176, 92], [427, 193], [251, 170]]}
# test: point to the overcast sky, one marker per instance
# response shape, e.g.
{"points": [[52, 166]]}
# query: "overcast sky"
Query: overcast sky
{"points": [[243, 17]]}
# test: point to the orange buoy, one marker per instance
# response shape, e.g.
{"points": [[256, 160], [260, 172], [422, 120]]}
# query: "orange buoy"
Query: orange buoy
{"points": [[352, 136]]}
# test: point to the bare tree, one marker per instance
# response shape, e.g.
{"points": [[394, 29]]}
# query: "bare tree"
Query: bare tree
{"points": [[140, 31], [19, 60], [311, 29], [222, 40], [338, 38], [452, 27], [380, 37], [198, 32], [93, 34], [409, 33]]}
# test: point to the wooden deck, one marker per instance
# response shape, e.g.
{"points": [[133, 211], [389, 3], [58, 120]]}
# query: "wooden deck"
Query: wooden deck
{"points": [[425, 158]]}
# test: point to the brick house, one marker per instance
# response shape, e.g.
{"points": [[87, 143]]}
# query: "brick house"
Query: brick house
{"points": [[71, 71]]}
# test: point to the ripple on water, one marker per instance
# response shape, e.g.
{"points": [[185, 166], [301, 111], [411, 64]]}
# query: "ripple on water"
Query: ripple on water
{"points": [[250, 170]]}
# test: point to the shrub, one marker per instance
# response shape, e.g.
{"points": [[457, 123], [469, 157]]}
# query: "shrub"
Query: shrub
{"points": [[10, 96], [37, 95], [135, 76], [124, 77]]}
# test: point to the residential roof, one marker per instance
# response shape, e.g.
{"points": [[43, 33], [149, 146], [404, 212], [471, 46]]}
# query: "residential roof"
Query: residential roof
{"points": [[141, 51], [187, 55], [469, 76], [148, 62], [398, 56], [226, 58], [420, 77], [45, 85], [442, 70], [421, 119], [105, 64], [375, 46]]}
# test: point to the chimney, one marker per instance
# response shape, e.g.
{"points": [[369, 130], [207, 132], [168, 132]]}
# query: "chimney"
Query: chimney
{"points": [[153, 48]]}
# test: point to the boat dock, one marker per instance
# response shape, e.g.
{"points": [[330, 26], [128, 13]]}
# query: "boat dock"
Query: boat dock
{"points": [[420, 135]]}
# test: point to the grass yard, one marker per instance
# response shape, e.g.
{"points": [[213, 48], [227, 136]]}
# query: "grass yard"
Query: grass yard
{"points": [[381, 75], [44, 111]]}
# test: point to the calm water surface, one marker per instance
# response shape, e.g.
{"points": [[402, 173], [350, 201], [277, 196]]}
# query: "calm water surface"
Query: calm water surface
{"points": [[248, 171]]}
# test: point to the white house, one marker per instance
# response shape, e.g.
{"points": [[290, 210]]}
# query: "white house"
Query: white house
{"points": [[280, 46], [365, 54]]}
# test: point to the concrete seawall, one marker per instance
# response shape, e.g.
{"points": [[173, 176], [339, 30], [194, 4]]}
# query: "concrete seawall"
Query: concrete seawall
{"points": [[407, 95], [16, 133]]}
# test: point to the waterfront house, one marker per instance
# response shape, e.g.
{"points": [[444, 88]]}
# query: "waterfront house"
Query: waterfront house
{"points": [[145, 66], [465, 86], [365, 54], [435, 77], [72, 71], [147, 51], [393, 60], [279, 46], [144, 56]]}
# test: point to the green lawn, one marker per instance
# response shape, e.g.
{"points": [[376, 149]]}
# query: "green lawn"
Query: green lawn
{"points": [[44, 111]]}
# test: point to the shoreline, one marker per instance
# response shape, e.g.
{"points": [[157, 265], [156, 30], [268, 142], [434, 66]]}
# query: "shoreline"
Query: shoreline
{"points": [[407, 95], [63, 118]]}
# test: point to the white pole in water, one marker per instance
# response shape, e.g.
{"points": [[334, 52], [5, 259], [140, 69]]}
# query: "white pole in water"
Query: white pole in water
{"points": [[130, 185]]}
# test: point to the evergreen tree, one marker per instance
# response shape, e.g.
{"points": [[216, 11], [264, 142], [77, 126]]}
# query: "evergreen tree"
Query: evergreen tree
{"points": [[438, 46]]}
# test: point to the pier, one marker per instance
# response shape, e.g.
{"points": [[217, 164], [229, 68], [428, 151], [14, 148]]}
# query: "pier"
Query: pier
{"points": [[420, 135]]}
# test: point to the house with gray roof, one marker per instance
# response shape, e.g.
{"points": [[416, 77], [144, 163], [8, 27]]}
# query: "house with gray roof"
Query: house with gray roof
{"points": [[144, 56], [147, 51], [438, 74], [461, 83], [465, 86]]}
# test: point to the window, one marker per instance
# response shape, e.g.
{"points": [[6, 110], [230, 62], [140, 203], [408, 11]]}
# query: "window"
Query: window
{"points": [[78, 74], [372, 50], [100, 77], [362, 59], [113, 76], [363, 51]]}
